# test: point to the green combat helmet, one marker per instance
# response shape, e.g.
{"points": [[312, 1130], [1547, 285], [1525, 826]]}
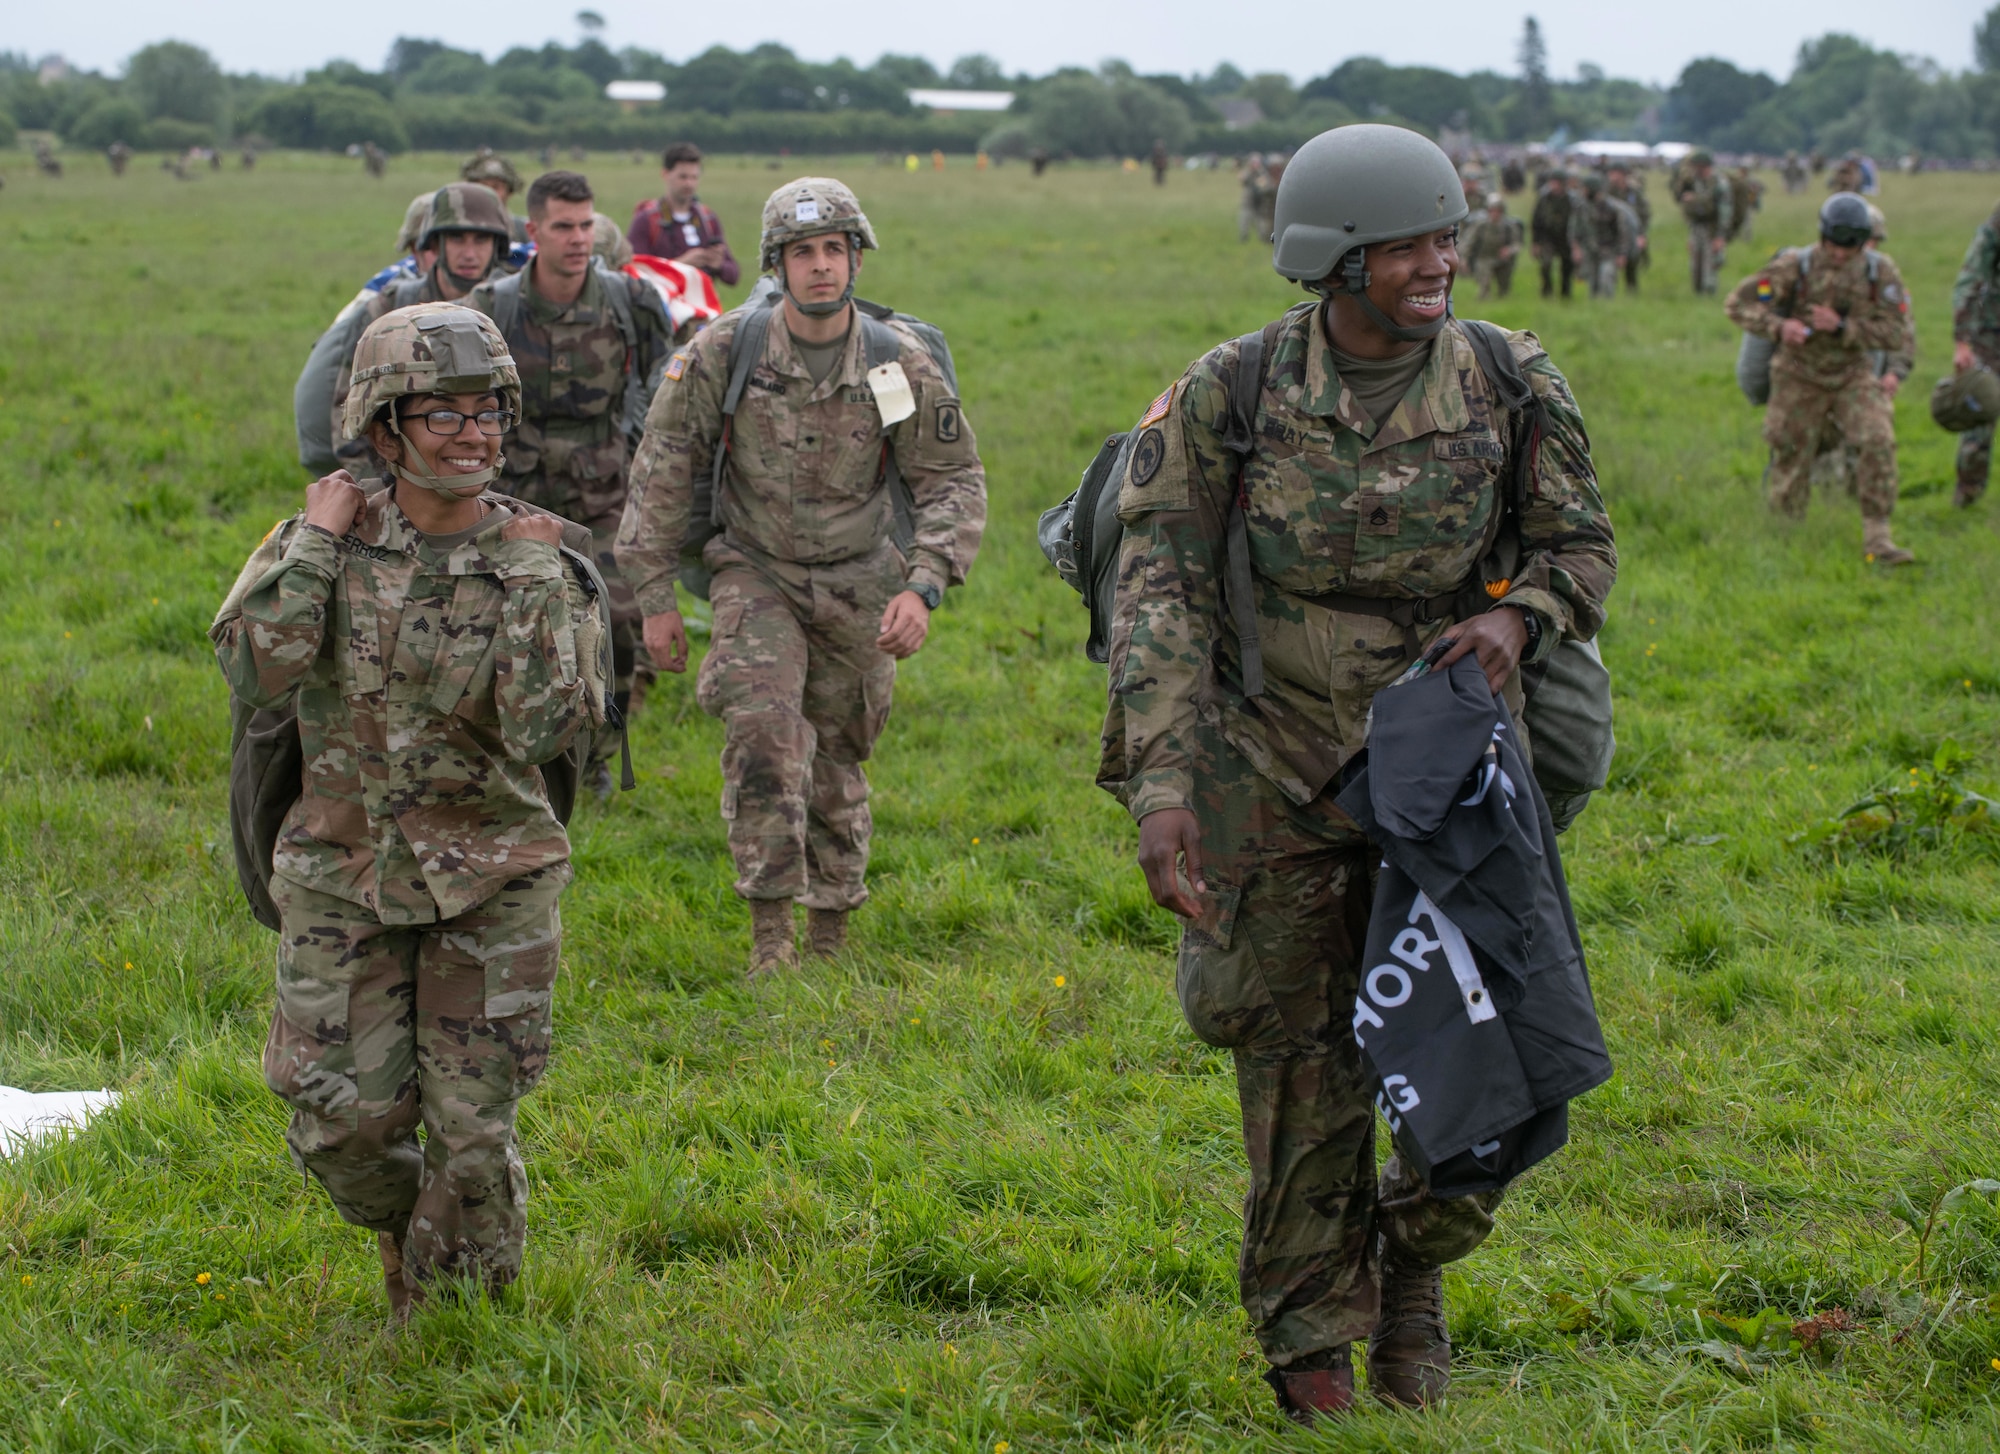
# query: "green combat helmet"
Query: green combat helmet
{"points": [[485, 167], [430, 348], [1352, 187], [812, 207], [468, 207], [416, 221], [1966, 401], [607, 241]]}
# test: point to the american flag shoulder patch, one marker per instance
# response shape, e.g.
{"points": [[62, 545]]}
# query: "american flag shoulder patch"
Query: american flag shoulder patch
{"points": [[677, 366], [1157, 410]]}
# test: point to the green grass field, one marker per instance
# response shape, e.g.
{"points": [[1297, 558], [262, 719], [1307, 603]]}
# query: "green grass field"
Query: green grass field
{"points": [[976, 1188]]}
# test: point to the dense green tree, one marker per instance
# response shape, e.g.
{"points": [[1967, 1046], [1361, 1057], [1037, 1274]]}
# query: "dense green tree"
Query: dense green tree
{"points": [[115, 118], [1986, 40], [976, 73], [175, 79], [1712, 95]]}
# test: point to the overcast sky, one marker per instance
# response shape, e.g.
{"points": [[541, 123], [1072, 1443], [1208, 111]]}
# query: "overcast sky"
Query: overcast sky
{"points": [[1649, 41]]}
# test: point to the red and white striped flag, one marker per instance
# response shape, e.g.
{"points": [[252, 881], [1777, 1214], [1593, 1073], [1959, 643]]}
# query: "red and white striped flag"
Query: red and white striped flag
{"points": [[687, 291]]}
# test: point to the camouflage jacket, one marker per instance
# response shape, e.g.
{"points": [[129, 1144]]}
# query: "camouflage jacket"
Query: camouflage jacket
{"points": [[1706, 202], [1610, 228], [804, 479], [1633, 195], [574, 364], [1877, 312], [1488, 237], [1404, 510], [430, 685], [1975, 297], [1554, 223]]}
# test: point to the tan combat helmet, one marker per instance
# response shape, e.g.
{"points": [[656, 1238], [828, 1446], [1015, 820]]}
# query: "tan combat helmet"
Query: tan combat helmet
{"points": [[608, 241], [811, 207], [429, 348], [485, 167], [416, 220]]}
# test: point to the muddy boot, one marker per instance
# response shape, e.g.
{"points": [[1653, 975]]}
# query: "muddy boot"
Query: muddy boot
{"points": [[826, 932], [394, 1282], [1319, 1385], [1409, 1353], [1877, 548], [771, 934], [1966, 494]]}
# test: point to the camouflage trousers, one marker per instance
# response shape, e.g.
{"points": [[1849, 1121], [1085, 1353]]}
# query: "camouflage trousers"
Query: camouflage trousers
{"points": [[1270, 972], [1975, 446], [598, 506], [1494, 275], [382, 1028], [1857, 410], [1704, 261], [803, 693], [1601, 271]]}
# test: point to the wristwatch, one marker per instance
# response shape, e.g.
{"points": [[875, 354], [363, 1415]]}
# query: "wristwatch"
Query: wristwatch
{"points": [[1533, 622], [927, 592]]}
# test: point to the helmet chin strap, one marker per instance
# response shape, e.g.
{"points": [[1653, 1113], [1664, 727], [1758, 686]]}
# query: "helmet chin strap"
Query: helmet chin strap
{"points": [[822, 310], [1354, 280], [452, 487]]}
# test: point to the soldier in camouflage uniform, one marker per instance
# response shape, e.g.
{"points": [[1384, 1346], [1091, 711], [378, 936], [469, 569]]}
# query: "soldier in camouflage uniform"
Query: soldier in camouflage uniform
{"points": [[1827, 307], [497, 175], [1553, 231], [1378, 470], [1706, 204], [1623, 185], [1975, 333], [437, 649], [1493, 247], [1610, 237], [590, 344], [814, 599], [1837, 461], [465, 232]]}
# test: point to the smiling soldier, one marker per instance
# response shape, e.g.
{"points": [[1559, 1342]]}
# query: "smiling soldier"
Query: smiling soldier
{"points": [[847, 494], [1374, 512]]}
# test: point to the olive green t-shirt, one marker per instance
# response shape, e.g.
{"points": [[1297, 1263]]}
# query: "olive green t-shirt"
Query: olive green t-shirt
{"points": [[1379, 384], [820, 359]]}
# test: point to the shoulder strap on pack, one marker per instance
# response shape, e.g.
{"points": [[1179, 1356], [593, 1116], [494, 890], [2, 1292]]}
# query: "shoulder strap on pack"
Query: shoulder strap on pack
{"points": [[746, 347], [1246, 389], [507, 305], [618, 298], [1516, 395], [879, 346]]}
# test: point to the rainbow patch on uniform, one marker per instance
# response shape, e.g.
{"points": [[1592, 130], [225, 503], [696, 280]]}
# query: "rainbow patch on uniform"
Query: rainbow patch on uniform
{"points": [[677, 366], [1157, 410], [1765, 292]]}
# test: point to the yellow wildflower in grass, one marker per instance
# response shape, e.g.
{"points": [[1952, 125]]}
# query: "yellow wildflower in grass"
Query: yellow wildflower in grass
{"points": [[1061, 980], [202, 1279], [1001, 1447], [27, 1279], [128, 964], [1996, 1365], [975, 843]]}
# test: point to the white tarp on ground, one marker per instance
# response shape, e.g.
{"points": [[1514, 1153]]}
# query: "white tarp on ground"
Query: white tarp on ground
{"points": [[30, 1116]]}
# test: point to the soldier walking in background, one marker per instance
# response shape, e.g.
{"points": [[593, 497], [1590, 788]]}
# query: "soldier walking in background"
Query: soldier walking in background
{"points": [[1746, 200], [1794, 173], [1975, 334], [438, 649], [497, 175], [120, 155], [1623, 185], [1610, 237], [590, 345], [1493, 248], [1160, 161], [1705, 203], [1249, 215], [816, 598], [1837, 460], [1826, 307], [678, 224], [1239, 833], [1553, 232]]}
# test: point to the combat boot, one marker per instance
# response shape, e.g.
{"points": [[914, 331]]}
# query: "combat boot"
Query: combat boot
{"points": [[826, 932], [394, 1282], [1966, 494], [771, 934], [1409, 1353], [1315, 1386], [1878, 549]]}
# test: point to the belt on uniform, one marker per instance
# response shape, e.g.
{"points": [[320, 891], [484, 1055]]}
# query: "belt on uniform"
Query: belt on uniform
{"points": [[1406, 613]]}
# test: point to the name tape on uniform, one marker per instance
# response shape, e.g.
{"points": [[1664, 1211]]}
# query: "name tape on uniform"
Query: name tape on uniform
{"points": [[893, 399]]}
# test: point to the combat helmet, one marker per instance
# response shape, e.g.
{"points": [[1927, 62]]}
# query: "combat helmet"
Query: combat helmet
{"points": [[812, 207], [607, 240], [467, 207], [485, 166], [1844, 220], [416, 219], [428, 348], [1966, 401], [1354, 186]]}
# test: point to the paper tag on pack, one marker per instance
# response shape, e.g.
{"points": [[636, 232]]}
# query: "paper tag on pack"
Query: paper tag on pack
{"points": [[893, 399]]}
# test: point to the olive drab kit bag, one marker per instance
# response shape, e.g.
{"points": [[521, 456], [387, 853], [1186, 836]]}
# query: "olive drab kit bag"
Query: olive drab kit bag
{"points": [[267, 762], [1568, 713], [746, 347]]}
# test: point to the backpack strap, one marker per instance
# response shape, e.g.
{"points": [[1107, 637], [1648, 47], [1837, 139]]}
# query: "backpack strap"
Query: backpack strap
{"points": [[879, 346], [507, 306], [1246, 390], [746, 347]]}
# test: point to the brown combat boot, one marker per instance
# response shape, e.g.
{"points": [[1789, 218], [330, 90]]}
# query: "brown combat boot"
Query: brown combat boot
{"points": [[1409, 1353], [1319, 1385], [1878, 549], [771, 936], [394, 1282], [826, 932]]}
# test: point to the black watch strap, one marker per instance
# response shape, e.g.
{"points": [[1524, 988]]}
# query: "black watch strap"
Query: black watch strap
{"points": [[928, 593]]}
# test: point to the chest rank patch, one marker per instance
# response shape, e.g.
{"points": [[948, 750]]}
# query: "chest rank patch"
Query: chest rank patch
{"points": [[1380, 515], [947, 423], [1147, 456]]}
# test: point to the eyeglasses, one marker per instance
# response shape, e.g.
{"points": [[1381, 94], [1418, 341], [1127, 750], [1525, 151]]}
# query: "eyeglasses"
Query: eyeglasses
{"points": [[449, 421]]}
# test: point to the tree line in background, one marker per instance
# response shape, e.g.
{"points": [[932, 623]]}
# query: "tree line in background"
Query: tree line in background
{"points": [[1841, 94]]}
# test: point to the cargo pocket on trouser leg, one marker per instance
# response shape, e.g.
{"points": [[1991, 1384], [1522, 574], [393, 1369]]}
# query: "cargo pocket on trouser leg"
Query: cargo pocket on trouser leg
{"points": [[309, 1058], [1221, 985]]}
